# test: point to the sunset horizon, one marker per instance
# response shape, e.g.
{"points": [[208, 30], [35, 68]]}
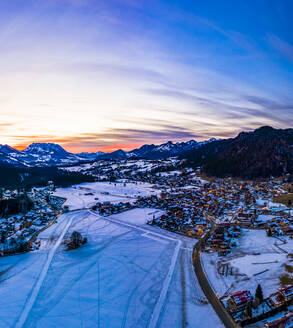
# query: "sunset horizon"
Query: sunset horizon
{"points": [[114, 147], [103, 75]]}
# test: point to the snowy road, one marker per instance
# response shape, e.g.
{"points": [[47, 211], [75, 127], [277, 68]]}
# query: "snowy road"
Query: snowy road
{"points": [[127, 275]]}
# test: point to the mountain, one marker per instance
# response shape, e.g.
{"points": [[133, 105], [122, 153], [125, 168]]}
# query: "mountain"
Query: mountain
{"points": [[8, 156], [49, 154], [37, 154], [117, 154], [8, 150], [165, 150], [90, 156], [260, 153]]}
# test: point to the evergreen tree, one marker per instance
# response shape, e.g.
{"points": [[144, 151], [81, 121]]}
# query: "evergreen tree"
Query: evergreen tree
{"points": [[259, 293]]}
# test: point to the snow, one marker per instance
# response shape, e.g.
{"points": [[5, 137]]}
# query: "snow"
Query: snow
{"points": [[33, 296], [161, 300], [257, 259], [117, 192], [127, 275], [138, 216], [265, 217], [253, 264]]}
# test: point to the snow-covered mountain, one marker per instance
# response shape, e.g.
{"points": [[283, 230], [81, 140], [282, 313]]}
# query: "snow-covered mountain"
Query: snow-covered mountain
{"points": [[37, 154], [51, 154], [165, 150], [8, 150], [11, 156]]}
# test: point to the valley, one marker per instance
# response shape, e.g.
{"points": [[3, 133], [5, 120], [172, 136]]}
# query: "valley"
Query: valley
{"points": [[127, 274], [153, 236]]}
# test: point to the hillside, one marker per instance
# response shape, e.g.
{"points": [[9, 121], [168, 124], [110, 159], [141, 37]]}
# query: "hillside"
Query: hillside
{"points": [[16, 177], [258, 154]]}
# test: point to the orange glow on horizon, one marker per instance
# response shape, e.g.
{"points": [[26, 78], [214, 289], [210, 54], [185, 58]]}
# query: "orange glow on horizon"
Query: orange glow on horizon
{"points": [[80, 149], [19, 147], [105, 149]]}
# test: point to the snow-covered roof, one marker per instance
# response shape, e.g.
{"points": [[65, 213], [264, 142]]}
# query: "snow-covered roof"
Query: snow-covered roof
{"points": [[241, 297]]}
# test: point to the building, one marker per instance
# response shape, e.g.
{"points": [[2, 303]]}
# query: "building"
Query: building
{"points": [[286, 293], [238, 300], [285, 321]]}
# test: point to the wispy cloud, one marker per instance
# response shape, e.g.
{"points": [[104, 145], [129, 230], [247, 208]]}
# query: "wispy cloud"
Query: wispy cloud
{"points": [[4, 126], [111, 138], [91, 74], [283, 47]]}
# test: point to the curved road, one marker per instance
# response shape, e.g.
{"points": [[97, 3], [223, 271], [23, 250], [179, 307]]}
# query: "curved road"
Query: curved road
{"points": [[204, 283]]}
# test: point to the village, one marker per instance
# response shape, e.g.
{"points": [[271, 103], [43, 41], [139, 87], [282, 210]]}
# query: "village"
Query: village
{"points": [[220, 213], [18, 230], [229, 209]]}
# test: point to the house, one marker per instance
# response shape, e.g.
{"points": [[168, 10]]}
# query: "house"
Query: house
{"points": [[245, 218], [285, 321], [276, 300], [286, 292], [238, 300]]}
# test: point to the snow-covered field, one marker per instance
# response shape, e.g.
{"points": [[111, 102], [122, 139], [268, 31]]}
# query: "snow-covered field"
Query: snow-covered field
{"points": [[127, 275], [87, 194], [257, 260], [138, 216]]}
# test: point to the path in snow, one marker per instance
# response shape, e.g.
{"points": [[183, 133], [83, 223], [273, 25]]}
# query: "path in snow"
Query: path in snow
{"points": [[159, 305], [29, 304], [161, 300]]}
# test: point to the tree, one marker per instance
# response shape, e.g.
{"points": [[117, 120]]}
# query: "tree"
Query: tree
{"points": [[259, 293], [248, 309], [2, 237], [75, 240]]}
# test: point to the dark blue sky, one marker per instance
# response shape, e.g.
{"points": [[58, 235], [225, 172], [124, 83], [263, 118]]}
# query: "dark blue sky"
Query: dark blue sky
{"points": [[126, 72]]}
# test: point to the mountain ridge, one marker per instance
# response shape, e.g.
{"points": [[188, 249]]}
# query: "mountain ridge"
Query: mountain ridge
{"points": [[52, 154], [261, 153]]}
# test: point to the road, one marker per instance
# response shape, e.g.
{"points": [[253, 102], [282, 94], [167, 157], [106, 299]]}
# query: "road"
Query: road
{"points": [[204, 283]]}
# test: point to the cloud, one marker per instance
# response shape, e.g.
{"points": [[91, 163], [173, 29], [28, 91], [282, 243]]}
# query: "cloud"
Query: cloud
{"points": [[283, 47], [90, 65], [270, 104], [126, 137], [241, 40], [5, 126]]}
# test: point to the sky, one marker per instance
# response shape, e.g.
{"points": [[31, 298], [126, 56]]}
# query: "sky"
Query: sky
{"points": [[102, 75]]}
